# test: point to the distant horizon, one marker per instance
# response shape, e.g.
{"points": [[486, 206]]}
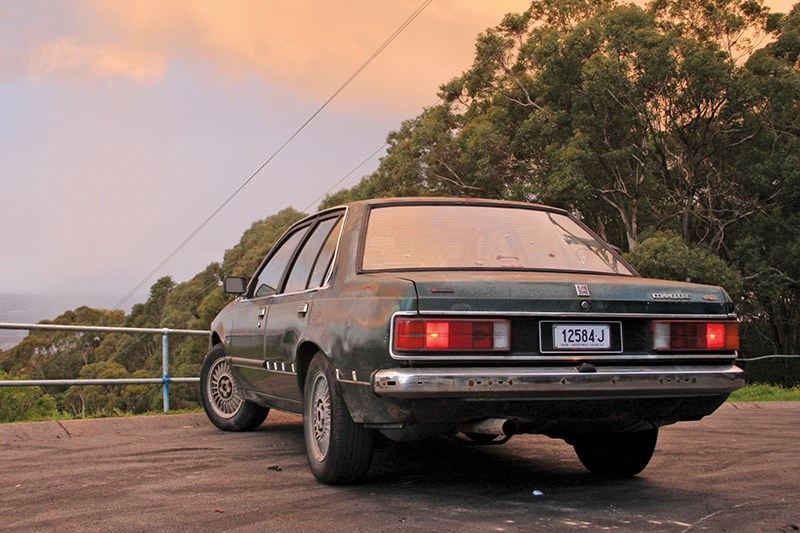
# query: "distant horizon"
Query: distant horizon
{"points": [[31, 308]]}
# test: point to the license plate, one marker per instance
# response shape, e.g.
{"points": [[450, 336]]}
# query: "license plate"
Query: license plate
{"points": [[581, 336]]}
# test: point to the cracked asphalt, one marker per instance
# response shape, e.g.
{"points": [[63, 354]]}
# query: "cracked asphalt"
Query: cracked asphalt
{"points": [[736, 470]]}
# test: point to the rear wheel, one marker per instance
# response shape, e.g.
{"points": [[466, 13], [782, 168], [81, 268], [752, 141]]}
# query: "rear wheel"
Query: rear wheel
{"points": [[618, 455], [222, 401], [339, 450]]}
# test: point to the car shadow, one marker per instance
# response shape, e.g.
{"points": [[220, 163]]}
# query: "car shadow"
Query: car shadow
{"points": [[528, 470]]}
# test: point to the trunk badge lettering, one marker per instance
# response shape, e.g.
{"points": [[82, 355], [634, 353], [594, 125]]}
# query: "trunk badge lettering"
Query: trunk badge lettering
{"points": [[670, 296], [582, 289]]}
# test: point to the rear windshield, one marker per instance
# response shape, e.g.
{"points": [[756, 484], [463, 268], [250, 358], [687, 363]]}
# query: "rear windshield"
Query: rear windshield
{"points": [[408, 237]]}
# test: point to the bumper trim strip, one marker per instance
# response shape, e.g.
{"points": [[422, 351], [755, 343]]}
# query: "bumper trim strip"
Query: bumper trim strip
{"points": [[548, 382]]}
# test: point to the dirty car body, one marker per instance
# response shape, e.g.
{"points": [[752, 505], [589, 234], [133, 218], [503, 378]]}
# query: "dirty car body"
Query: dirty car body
{"points": [[477, 318]]}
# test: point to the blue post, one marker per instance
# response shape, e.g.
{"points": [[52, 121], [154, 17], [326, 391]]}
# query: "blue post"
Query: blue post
{"points": [[165, 367]]}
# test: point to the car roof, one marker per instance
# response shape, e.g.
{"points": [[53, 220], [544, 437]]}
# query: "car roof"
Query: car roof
{"points": [[434, 200]]}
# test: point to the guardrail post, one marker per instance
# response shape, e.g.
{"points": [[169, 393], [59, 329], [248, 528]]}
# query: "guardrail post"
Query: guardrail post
{"points": [[165, 366]]}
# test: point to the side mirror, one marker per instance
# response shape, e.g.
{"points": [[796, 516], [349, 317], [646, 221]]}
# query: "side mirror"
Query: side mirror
{"points": [[234, 285]]}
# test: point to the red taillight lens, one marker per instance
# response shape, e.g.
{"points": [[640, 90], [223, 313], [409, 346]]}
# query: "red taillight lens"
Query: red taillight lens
{"points": [[464, 335], [695, 335]]}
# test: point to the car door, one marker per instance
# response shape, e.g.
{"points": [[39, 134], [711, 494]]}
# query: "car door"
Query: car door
{"points": [[245, 342], [289, 311]]}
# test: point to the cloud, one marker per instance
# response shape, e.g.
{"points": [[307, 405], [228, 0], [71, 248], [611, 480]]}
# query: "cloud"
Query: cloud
{"points": [[307, 47], [65, 58]]}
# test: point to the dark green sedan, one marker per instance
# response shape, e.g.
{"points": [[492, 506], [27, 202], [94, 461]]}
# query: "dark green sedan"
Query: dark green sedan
{"points": [[480, 319]]}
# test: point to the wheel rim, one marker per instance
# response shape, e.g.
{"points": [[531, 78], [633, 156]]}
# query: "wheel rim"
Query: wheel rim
{"points": [[320, 417], [224, 397]]}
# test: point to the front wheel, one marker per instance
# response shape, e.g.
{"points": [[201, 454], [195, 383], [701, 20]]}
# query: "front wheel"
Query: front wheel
{"points": [[618, 455], [222, 401], [339, 450]]}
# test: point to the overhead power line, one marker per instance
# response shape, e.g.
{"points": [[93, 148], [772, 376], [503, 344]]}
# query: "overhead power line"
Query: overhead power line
{"points": [[214, 213], [364, 162]]}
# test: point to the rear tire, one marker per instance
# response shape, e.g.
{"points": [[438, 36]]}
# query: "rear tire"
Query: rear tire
{"points": [[616, 455], [339, 450], [222, 401]]}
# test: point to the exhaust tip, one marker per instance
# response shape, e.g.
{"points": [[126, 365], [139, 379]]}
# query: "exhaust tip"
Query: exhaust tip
{"points": [[491, 426]]}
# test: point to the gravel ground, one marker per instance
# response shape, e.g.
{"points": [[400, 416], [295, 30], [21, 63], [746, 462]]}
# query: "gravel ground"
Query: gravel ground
{"points": [[736, 470]]}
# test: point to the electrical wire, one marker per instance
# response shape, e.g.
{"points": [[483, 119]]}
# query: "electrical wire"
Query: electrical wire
{"points": [[364, 162], [208, 219], [768, 357]]}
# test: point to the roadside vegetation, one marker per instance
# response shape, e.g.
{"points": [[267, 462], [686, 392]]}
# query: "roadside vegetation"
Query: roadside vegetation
{"points": [[671, 129], [763, 392]]}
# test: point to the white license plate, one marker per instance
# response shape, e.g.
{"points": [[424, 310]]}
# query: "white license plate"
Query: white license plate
{"points": [[581, 336]]}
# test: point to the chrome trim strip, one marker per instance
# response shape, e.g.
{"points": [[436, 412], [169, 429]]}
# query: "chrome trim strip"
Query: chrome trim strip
{"points": [[257, 364], [550, 314], [575, 358], [350, 381], [544, 382], [248, 363], [353, 381], [326, 282]]}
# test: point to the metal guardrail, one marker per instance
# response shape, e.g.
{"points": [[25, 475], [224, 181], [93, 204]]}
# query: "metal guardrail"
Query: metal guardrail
{"points": [[165, 380]]}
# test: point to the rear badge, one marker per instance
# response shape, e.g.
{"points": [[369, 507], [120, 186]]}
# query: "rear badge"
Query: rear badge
{"points": [[670, 296], [582, 289]]}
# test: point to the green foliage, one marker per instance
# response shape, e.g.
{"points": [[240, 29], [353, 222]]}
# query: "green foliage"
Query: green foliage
{"points": [[244, 258], [665, 255], [59, 354], [188, 305], [24, 403], [105, 399], [763, 392]]}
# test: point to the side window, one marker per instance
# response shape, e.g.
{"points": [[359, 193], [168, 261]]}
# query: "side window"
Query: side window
{"points": [[270, 275], [325, 257], [301, 270]]}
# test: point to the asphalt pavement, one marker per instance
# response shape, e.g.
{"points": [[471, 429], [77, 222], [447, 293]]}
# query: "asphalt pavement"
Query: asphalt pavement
{"points": [[736, 470]]}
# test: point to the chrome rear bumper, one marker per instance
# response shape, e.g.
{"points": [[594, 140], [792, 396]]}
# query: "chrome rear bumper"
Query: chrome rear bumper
{"points": [[548, 382]]}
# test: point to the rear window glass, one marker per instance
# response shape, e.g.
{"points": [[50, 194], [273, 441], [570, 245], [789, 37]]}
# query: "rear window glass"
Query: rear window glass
{"points": [[426, 237]]}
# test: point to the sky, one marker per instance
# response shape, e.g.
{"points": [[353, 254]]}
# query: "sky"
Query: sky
{"points": [[123, 125]]}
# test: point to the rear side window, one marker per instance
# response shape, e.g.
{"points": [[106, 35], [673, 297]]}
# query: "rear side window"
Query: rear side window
{"points": [[325, 258], [304, 265]]}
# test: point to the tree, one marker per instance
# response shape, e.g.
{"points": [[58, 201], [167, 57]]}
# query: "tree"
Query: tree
{"points": [[60, 354], [665, 255], [97, 399], [24, 403]]}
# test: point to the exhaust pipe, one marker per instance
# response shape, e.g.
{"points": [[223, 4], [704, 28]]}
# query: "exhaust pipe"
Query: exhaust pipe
{"points": [[491, 426]]}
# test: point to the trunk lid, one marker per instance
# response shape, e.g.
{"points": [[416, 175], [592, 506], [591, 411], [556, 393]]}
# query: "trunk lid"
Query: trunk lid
{"points": [[562, 293]]}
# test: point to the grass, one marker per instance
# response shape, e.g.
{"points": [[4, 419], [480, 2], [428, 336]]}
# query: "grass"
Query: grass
{"points": [[760, 392], [116, 413]]}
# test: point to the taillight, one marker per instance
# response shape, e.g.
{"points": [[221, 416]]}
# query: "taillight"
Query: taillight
{"points": [[460, 334], [687, 335]]}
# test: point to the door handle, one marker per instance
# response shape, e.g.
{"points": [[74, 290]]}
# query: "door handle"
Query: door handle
{"points": [[302, 309], [262, 312]]}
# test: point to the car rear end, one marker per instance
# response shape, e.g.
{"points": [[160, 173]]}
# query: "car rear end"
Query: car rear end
{"points": [[539, 330]]}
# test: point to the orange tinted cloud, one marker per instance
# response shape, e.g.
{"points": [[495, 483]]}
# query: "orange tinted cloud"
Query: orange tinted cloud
{"points": [[307, 47], [65, 58]]}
